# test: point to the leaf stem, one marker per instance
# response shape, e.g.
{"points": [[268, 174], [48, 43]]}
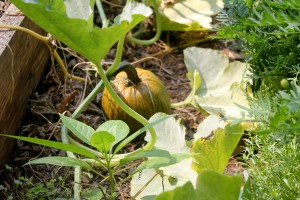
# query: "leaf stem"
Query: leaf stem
{"points": [[130, 71], [158, 29], [103, 17], [46, 41]]}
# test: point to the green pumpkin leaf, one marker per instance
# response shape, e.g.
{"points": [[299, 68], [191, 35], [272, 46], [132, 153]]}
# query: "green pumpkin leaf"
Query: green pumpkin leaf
{"points": [[186, 191], [214, 153], [81, 130], [212, 185], [102, 141], [60, 161], [117, 128], [76, 29], [56, 145]]}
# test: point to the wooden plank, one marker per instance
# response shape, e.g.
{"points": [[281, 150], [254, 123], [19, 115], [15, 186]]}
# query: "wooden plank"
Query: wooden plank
{"points": [[22, 62]]}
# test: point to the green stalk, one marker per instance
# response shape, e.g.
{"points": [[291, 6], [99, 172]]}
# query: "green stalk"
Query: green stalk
{"points": [[158, 29], [80, 109], [47, 42], [103, 17]]}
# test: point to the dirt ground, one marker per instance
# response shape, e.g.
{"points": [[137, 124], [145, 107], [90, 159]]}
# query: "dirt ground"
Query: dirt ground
{"points": [[56, 95]]}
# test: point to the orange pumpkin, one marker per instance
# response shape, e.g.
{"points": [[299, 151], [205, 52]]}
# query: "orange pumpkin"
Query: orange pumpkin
{"points": [[141, 90]]}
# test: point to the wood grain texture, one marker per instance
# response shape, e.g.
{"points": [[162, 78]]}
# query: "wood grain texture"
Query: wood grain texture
{"points": [[22, 62]]}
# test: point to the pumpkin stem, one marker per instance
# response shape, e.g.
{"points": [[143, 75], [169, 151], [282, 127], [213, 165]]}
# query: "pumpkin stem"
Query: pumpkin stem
{"points": [[130, 71]]}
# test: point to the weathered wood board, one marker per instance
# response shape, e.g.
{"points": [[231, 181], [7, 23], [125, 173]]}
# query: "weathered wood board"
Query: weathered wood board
{"points": [[22, 62]]}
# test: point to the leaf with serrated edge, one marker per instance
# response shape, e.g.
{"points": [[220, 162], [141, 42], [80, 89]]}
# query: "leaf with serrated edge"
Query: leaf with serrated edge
{"points": [[214, 153], [213, 185], [81, 130], [210, 186]]}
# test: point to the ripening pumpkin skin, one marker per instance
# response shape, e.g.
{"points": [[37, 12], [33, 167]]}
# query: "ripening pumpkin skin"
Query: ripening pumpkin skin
{"points": [[147, 97]]}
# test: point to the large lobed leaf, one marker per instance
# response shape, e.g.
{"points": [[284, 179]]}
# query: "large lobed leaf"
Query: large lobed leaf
{"points": [[187, 15], [210, 186], [171, 138], [221, 91], [207, 155], [71, 22], [214, 153]]}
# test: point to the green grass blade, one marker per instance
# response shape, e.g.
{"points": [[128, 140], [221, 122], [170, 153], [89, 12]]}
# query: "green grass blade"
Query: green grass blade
{"points": [[56, 145]]}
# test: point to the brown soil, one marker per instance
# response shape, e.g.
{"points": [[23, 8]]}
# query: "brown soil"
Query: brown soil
{"points": [[55, 94]]}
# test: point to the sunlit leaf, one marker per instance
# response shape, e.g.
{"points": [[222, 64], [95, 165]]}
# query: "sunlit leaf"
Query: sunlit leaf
{"points": [[186, 191], [210, 186], [81, 130], [214, 153], [102, 140]]}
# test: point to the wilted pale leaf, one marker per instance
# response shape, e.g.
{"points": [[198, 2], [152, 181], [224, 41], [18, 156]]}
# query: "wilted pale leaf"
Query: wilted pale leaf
{"points": [[170, 137], [134, 8], [208, 126], [221, 91], [189, 14], [171, 177], [79, 9], [170, 134]]}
